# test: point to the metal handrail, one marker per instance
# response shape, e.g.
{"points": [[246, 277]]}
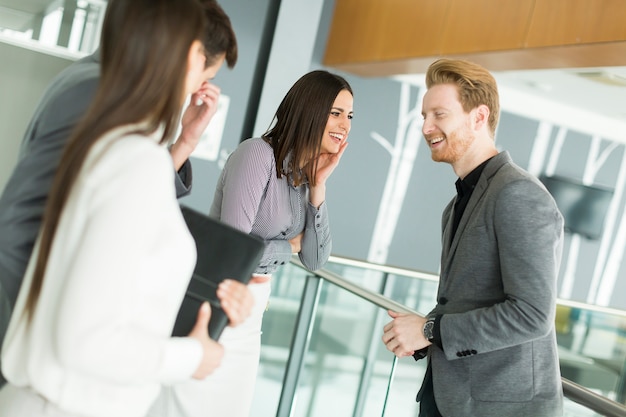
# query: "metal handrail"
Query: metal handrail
{"points": [[429, 276], [577, 393], [591, 400]]}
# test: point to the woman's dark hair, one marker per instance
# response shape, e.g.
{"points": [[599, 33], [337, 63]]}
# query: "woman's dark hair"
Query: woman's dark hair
{"points": [[299, 123], [145, 47]]}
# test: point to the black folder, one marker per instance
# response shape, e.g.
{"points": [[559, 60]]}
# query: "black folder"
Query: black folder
{"points": [[223, 252]]}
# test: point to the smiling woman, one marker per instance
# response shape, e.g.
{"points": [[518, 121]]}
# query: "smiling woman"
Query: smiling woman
{"points": [[274, 187], [339, 122]]}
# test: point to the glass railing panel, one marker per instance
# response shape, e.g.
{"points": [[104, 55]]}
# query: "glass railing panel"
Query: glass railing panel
{"points": [[403, 387], [592, 340], [277, 333], [338, 352], [337, 356], [592, 348], [346, 370]]}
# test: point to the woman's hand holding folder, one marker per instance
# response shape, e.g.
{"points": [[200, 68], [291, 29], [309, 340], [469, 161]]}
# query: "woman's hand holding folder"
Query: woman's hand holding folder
{"points": [[236, 300], [213, 352]]}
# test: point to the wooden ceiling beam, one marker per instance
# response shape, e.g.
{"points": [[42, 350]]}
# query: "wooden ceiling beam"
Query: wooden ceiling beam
{"points": [[391, 37]]}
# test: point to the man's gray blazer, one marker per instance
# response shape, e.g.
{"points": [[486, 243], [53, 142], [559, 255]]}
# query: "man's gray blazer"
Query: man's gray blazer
{"points": [[497, 294], [23, 200]]}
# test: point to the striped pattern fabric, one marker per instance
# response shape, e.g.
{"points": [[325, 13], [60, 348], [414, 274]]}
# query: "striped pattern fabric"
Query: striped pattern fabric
{"points": [[251, 198]]}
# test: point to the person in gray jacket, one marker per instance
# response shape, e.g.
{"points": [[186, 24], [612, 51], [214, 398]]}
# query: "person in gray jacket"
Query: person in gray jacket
{"points": [[490, 340], [62, 105]]}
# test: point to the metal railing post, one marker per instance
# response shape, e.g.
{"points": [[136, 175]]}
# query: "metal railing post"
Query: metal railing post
{"points": [[299, 344]]}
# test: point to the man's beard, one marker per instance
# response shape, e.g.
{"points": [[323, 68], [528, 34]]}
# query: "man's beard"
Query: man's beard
{"points": [[456, 145]]}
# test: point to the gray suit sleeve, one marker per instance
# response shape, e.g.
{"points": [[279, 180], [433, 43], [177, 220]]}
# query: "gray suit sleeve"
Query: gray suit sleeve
{"points": [[24, 197], [183, 179]]}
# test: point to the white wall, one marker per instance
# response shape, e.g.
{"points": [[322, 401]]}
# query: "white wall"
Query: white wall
{"points": [[24, 74]]}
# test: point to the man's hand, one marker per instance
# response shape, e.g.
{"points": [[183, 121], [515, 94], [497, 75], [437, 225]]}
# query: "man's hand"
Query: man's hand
{"points": [[404, 334], [201, 109]]}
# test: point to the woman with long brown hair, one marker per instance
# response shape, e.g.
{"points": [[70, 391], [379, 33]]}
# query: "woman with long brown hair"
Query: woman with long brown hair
{"points": [[274, 187], [90, 333]]}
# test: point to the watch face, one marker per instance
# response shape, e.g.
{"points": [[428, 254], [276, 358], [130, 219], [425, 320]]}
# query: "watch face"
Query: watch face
{"points": [[428, 329]]}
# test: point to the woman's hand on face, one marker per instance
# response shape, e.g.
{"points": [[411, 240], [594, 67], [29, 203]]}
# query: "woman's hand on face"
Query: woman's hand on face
{"points": [[326, 164], [212, 352], [236, 300]]}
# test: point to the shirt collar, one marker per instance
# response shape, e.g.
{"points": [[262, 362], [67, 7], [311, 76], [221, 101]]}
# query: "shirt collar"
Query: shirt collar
{"points": [[467, 184]]}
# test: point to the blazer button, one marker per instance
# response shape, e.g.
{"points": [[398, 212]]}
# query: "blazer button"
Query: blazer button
{"points": [[459, 354], [443, 300], [473, 352]]}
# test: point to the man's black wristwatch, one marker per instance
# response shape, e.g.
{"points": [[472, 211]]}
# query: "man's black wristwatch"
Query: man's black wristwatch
{"points": [[428, 329]]}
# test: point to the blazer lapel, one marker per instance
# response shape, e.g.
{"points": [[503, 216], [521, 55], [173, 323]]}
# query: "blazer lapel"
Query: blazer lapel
{"points": [[481, 187], [447, 221]]}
